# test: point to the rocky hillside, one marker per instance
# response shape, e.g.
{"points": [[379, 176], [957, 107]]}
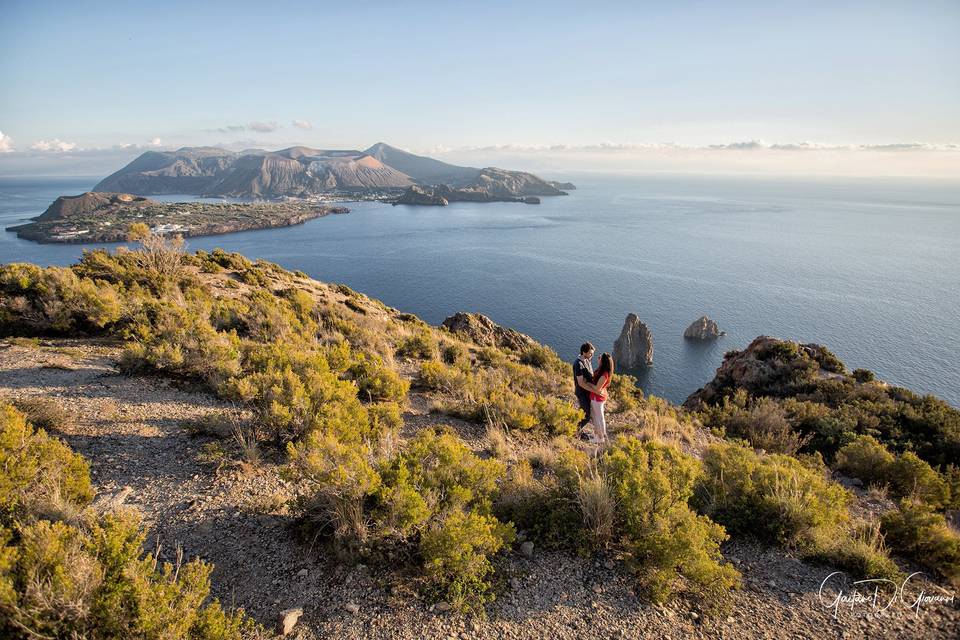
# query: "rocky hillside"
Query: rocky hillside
{"points": [[302, 171], [351, 471]]}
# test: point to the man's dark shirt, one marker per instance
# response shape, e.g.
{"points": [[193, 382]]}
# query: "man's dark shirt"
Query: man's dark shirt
{"points": [[585, 370]]}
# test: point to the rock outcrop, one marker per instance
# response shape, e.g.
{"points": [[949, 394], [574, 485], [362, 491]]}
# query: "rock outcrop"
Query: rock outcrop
{"points": [[769, 366], [634, 347], [563, 186], [485, 332], [703, 329], [417, 195]]}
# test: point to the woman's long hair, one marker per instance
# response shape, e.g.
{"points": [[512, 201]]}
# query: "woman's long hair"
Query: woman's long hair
{"points": [[606, 366]]}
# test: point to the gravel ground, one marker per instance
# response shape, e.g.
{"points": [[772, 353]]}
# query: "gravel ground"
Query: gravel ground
{"points": [[134, 431]]}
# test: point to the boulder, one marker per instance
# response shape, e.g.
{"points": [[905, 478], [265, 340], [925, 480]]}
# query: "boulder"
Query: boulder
{"points": [[485, 332], [634, 347], [288, 620], [703, 329]]}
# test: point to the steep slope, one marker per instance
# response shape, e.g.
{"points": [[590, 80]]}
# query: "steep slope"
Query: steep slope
{"points": [[421, 168], [188, 170]]}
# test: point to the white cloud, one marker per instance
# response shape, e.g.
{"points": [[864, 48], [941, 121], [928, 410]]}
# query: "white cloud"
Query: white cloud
{"points": [[156, 142], [56, 146], [263, 127], [302, 124], [6, 143]]}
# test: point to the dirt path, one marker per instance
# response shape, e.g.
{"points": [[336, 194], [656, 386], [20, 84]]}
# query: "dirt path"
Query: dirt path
{"points": [[134, 431]]}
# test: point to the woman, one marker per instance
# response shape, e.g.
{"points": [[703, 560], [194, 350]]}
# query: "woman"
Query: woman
{"points": [[601, 379]]}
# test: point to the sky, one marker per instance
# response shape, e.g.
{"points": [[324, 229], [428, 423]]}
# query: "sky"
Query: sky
{"points": [[866, 88]]}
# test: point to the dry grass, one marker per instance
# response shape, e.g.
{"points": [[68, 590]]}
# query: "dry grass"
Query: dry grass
{"points": [[498, 442], [598, 506], [44, 413]]}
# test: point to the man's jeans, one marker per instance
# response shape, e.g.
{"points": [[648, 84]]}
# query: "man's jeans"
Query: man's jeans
{"points": [[584, 402]]}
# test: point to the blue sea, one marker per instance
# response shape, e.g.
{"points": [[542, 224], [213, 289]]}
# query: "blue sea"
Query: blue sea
{"points": [[870, 268]]}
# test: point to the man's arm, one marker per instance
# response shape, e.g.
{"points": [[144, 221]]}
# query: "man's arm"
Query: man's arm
{"points": [[589, 386]]}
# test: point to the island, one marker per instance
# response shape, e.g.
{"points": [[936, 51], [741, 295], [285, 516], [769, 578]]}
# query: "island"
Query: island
{"points": [[380, 172], [106, 217]]}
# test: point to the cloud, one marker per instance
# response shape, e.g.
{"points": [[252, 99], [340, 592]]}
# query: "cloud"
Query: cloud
{"points": [[55, 146], [263, 127], [743, 145], [6, 143], [302, 124], [156, 142]]}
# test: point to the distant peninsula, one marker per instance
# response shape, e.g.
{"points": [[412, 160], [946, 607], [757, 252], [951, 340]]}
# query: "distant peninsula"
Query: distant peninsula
{"points": [[106, 217], [381, 172]]}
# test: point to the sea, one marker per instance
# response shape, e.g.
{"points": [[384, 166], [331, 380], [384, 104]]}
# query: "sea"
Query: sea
{"points": [[868, 267]]}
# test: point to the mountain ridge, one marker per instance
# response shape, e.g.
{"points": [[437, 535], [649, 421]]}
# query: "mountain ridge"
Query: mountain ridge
{"points": [[301, 171]]}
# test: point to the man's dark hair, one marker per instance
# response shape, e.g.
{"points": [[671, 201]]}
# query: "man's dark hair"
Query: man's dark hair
{"points": [[586, 347]]}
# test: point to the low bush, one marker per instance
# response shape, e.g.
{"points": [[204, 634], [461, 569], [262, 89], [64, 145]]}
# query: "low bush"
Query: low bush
{"points": [[91, 581], [421, 344], [41, 475], [673, 549], [774, 496], [789, 502], [906, 475], [433, 499], [375, 381], [44, 413], [54, 300], [66, 572], [918, 532]]}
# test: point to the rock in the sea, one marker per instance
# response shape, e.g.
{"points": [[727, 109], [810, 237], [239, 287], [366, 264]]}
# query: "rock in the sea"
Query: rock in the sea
{"points": [[485, 332], [703, 329], [418, 195], [288, 620], [634, 347], [531, 200]]}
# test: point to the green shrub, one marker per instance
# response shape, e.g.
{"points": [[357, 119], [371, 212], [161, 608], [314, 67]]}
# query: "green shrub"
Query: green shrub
{"points": [[179, 340], [456, 553], [34, 300], [421, 344], [292, 391], [41, 475], [545, 506], [863, 375], [906, 474], [453, 353], [336, 477], [624, 393], [774, 496], [918, 532], [90, 581], [867, 459], [375, 381], [673, 549]]}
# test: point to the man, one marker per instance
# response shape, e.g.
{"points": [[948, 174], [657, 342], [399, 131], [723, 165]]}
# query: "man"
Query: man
{"points": [[583, 382]]}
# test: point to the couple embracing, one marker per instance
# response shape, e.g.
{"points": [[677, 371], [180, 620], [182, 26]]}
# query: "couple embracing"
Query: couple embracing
{"points": [[591, 389]]}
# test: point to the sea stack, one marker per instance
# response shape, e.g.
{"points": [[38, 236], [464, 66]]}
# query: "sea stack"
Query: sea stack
{"points": [[634, 347], [703, 329]]}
